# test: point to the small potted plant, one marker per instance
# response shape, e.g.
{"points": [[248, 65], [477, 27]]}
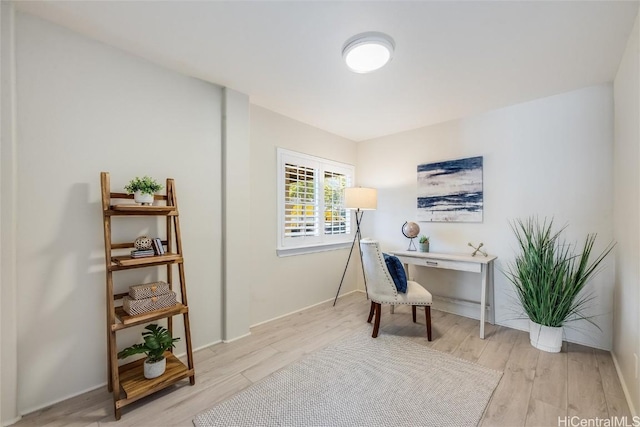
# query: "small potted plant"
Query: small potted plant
{"points": [[143, 189], [157, 340], [424, 243]]}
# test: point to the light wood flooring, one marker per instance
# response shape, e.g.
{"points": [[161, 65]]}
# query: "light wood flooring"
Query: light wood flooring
{"points": [[536, 387]]}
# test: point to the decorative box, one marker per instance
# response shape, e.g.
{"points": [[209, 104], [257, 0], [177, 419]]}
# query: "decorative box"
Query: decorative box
{"points": [[144, 305], [148, 290]]}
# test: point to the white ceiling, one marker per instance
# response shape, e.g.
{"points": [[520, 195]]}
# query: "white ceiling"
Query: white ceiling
{"points": [[452, 58]]}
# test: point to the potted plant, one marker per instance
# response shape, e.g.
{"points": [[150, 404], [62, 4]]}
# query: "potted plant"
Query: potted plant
{"points": [[424, 243], [549, 276], [143, 189], [157, 340]]}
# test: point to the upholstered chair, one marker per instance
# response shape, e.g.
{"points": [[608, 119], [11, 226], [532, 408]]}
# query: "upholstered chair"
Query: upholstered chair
{"points": [[382, 290]]}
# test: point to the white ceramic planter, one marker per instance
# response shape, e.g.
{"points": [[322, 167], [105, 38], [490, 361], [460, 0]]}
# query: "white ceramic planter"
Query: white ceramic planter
{"points": [[143, 198], [154, 370], [545, 338]]}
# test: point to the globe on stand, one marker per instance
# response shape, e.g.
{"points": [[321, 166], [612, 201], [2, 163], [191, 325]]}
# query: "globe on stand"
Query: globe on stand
{"points": [[411, 231]]}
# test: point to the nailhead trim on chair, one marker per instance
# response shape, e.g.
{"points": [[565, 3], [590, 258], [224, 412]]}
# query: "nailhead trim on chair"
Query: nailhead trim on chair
{"points": [[401, 303], [384, 267], [390, 281], [379, 276]]}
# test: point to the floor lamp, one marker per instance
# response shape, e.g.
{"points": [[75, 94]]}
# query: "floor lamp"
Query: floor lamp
{"points": [[360, 199]]}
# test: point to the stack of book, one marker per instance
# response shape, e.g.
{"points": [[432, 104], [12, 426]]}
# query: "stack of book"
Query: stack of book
{"points": [[141, 253], [157, 246]]}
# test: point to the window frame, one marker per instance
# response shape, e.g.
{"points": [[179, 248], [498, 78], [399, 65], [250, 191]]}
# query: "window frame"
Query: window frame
{"points": [[287, 246]]}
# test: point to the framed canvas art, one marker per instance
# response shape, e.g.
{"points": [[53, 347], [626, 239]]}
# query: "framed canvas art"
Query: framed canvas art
{"points": [[450, 191]]}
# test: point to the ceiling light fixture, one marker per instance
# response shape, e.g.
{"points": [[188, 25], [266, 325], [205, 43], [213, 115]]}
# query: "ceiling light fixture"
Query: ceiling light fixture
{"points": [[368, 52]]}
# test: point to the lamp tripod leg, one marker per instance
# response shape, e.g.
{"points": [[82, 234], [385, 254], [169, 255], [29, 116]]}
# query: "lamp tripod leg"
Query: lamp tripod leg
{"points": [[345, 269], [359, 236]]}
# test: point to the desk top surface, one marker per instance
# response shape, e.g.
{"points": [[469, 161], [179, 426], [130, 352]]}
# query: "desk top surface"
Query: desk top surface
{"points": [[479, 259]]}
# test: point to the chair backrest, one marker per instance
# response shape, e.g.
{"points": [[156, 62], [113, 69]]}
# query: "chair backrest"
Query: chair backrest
{"points": [[380, 285]]}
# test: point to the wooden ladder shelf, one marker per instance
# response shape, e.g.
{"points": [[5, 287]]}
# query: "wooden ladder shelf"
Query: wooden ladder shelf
{"points": [[127, 382]]}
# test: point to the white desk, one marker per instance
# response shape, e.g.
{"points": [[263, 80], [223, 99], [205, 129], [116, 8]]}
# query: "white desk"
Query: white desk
{"points": [[474, 264]]}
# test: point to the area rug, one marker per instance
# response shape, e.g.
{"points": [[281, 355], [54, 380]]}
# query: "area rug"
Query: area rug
{"points": [[362, 381]]}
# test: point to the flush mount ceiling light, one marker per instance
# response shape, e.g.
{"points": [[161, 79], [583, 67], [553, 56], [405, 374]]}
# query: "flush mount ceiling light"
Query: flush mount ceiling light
{"points": [[368, 52]]}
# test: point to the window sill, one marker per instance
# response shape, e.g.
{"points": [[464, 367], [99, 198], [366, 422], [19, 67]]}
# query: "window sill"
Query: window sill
{"points": [[285, 252]]}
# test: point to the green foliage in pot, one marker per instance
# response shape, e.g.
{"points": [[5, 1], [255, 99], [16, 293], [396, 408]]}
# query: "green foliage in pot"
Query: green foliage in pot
{"points": [[424, 239], [156, 341], [145, 185], [550, 274]]}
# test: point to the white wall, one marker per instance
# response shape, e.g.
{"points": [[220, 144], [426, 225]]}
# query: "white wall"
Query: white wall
{"points": [[286, 284], [8, 313], [236, 186], [549, 157], [627, 216], [84, 107]]}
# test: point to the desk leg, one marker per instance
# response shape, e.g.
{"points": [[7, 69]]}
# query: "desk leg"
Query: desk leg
{"points": [[492, 286], [483, 299]]}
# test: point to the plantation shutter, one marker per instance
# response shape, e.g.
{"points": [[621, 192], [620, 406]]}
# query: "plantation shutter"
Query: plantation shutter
{"points": [[311, 211], [301, 207], [335, 215]]}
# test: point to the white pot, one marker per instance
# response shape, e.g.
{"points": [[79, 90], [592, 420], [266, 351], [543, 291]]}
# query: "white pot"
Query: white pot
{"points": [[155, 369], [545, 338], [143, 198]]}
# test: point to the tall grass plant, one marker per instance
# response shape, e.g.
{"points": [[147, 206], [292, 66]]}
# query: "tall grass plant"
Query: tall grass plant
{"points": [[550, 274]]}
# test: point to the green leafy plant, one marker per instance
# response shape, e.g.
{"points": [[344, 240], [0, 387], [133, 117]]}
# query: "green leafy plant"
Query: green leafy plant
{"points": [[424, 239], [549, 276], [156, 341], [145, 185]]}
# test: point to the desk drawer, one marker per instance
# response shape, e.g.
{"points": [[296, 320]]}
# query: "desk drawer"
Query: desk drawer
{"points": [[446, 264]]}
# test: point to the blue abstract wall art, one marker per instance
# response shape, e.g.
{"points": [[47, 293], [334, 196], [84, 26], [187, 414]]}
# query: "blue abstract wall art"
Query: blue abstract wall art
{"points": [[450, 191]]}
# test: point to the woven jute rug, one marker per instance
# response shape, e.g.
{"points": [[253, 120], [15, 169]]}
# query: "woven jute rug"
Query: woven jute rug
{"points": [[362, 381]]}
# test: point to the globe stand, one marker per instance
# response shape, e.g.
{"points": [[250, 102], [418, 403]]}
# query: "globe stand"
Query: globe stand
{"points": [[411, 244], [410, 230]]}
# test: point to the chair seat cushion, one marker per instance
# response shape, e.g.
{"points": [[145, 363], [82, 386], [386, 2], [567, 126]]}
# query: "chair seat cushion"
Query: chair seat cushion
{"points": [[416, 295], [396, 271]]}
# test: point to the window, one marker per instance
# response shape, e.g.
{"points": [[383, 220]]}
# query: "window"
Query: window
{"points": [[311, 213]]}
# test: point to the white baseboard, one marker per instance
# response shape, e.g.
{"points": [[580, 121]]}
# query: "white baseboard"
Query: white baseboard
{"points": [[471, 309], [11, 422], [40, 407], [53, 402], [463, 308], [70, 396], [302, 309], [236, 338], [624, 385], [564, 338], [202, 347]]}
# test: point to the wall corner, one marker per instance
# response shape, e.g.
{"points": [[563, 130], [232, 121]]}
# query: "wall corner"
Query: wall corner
{"points": [[9, 413], [236, 186]]}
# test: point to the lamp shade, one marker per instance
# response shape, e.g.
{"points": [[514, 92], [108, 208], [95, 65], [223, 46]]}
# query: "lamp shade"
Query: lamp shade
{"points": [[365, 199]]}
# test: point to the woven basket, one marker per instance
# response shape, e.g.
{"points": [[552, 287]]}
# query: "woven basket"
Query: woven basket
{"points": [[140, 306], [148, 290]]}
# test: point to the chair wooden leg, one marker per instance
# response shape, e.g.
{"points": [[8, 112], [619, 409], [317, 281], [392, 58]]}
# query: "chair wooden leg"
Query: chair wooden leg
{"points": [[427, 313], [413, 313], [371, 312], [376, 325]]}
